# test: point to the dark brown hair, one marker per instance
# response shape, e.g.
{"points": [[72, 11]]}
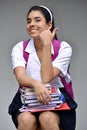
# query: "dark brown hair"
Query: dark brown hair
{"points": [[46, 15]]}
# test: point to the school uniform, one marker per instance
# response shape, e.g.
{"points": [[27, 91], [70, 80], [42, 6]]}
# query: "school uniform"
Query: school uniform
{"points": [[62, 61]]}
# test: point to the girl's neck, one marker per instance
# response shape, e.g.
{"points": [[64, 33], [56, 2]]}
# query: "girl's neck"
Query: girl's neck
{"points": [[38, 44]]}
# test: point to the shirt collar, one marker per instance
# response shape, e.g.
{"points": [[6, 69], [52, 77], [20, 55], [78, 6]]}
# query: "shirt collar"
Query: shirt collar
{"points": [[31, 48]]}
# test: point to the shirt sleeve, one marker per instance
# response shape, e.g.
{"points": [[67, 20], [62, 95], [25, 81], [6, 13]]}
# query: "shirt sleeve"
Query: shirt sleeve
{"points": [[17, 55], [62, 61]]}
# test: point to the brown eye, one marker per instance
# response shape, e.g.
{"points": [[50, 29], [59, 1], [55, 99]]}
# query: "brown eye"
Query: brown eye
{"points": [[28, 21], [38, 20]]}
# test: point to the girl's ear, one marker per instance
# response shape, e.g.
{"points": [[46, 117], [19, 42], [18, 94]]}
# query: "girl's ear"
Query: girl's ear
{"points": [[49, 25]]}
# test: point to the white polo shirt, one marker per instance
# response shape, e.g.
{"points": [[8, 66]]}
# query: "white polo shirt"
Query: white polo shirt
{"points": [[33, 66]]}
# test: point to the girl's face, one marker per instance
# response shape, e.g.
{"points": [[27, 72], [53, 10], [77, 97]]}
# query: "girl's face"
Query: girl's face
{"points": [[36, 23]]}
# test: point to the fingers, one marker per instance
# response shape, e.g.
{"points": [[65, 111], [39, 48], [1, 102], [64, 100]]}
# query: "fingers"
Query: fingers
{"points": [[54, 31], [46, 35], [44, 98], [42, 93]]}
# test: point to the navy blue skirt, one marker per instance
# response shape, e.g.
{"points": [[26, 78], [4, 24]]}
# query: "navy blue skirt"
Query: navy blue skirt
{"points": [[67, 117]]}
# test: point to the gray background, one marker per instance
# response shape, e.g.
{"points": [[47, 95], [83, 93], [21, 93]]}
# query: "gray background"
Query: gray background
{"points": [[71, 18]]}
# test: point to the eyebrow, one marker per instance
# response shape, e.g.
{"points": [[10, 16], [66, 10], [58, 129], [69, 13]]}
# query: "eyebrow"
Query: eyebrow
{"points": [[34, 18]]}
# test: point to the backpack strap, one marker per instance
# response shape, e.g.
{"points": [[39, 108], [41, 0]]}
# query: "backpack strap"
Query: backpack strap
{"points": [[56, 47], [25, 54], [67, 86]]}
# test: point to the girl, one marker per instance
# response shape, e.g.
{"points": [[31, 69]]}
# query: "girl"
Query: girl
{"points": [[41, 69]]}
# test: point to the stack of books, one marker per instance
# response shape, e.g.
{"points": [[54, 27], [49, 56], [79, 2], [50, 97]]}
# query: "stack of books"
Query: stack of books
{"points": [[30, 102]]}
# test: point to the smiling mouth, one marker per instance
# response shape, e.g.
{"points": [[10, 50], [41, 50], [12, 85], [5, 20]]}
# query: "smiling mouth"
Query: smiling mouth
{"points": [[33, 31]]}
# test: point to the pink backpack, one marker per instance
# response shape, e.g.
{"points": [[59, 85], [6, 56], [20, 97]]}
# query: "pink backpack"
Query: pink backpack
{"points": [[56, 46]]}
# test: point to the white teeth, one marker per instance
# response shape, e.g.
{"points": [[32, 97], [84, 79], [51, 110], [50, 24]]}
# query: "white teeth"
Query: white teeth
{"points": [[33, 30]]}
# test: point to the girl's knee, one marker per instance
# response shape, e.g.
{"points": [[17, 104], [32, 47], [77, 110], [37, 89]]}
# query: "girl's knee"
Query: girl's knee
{"points": [[26, 120], [49, 119]]}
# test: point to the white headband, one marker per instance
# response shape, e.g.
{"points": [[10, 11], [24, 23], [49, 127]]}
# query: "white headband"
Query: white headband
{"points": [[48, 11]]}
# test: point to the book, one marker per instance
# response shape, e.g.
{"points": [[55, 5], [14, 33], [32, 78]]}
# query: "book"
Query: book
{"points": [[30, 102], [63, 106]]}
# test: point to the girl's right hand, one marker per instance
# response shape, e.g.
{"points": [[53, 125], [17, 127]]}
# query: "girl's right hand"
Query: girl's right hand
{"points": [[42, 93]]}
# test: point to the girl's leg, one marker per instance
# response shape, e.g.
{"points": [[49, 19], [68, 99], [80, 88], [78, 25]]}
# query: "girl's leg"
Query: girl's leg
{"points": [[26, 121], [49, 121]]}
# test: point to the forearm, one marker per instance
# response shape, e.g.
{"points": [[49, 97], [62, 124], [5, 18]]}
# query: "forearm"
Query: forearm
{"points": [[22, 77], [40, 90], [46, 64]]}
